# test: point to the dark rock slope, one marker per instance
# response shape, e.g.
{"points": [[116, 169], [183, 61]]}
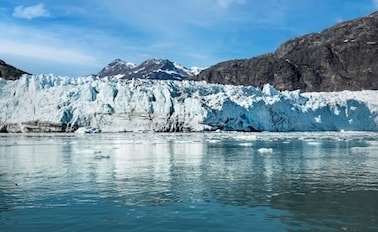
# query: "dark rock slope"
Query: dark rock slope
{"points": [[8, 72], [343, 57]]}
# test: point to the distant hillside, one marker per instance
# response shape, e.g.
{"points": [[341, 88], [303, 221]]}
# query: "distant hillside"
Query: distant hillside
{"points": [[8, 72], [343, 57], [159, 69]]}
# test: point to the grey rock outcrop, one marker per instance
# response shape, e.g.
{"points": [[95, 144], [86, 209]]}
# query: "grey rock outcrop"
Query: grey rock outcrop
{"points": [[343, 57], [8, 72]]}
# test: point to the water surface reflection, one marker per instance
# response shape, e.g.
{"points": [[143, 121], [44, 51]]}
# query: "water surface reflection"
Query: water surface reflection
{"points": [[207, 181]]}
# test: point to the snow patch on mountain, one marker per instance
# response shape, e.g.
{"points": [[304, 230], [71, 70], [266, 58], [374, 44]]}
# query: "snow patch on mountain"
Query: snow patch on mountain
{"points": [[196, 70], [157, 69], [114, 105]]}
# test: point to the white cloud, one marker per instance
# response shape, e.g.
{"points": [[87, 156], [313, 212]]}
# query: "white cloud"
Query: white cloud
{"points": [[227, 3], [41, 52], [375, 2], [30, 12], [339, 20], [140, 34], [56, 51]]}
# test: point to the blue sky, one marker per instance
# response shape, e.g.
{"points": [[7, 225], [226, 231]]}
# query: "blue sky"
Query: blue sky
{"points": [[79, 37]]}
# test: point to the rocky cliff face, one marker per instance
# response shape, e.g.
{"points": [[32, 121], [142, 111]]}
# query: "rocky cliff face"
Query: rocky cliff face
{"points": [[343, 57], [8, 72]]}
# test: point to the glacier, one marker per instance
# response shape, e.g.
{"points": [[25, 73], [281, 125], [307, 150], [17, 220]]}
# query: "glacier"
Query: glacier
{"points": [[51, 103]]}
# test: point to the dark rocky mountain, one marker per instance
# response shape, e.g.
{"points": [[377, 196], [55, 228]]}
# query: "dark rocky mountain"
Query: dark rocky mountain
{"points": [[150, 69], [343, 57], [8, 72]]}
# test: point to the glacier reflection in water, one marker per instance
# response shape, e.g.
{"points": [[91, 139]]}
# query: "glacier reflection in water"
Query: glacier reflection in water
{"points": [[197, 182]]}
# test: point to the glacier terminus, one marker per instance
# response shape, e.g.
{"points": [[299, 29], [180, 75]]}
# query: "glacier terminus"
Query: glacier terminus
{"points": [[48, 103]]}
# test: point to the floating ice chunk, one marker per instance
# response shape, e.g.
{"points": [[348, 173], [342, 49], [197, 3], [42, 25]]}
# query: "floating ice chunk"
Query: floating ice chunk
{"points": [[313, 143], [88, 130], [246, 144], [265, 150]]}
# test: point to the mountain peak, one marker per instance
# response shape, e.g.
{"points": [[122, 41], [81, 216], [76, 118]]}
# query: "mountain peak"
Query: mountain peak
{"points": [[117, 68], [155, 68], [122, 63], [155, 60]]}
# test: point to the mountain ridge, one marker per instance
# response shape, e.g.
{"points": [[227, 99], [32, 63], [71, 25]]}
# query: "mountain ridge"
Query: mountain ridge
{"points": [[342, 57], [9, 72], [159, 69]]}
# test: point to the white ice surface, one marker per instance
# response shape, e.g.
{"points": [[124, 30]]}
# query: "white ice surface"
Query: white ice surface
{"points": [[113, 105]]}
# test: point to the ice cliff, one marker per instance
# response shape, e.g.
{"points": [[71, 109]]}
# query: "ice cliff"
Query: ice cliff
{"points": [[51, 103]]}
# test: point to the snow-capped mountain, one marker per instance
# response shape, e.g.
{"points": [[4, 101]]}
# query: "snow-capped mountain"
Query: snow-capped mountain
{"points": [[117, 67], [156, 69], [49, 103]]}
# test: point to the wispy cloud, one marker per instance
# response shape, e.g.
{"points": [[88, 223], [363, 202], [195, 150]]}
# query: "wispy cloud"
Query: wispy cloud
{"points": [[77, 35], [375, 2], [30, 12], [134, 31], [339, 19], [227, 3], [63, 56], [47, 49]]}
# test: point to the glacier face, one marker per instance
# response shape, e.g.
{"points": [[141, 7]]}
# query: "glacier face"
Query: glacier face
{"points": [[114, 105]]}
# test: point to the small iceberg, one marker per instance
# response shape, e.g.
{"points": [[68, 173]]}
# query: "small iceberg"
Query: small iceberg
{"points": [[265, 150], [88, 130]]}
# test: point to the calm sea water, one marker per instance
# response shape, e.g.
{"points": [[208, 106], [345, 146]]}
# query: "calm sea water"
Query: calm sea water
{"points": [[191, 182]]}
